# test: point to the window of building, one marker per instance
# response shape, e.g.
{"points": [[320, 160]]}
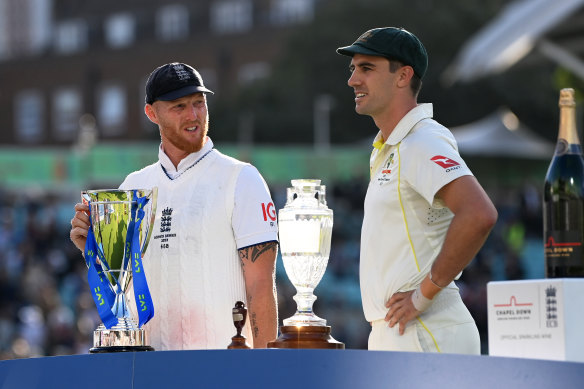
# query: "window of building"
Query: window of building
{"points": [[172, 22], [71, 36], [67, 109], [229, 16], [251, 72], [120, 30], [25, 27], [284, 12], [29, 116], [111, 109], [5, 29]]}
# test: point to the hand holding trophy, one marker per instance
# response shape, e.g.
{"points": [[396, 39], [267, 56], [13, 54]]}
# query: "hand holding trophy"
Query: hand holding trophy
{"points": [[305, 227], [121, 225]]}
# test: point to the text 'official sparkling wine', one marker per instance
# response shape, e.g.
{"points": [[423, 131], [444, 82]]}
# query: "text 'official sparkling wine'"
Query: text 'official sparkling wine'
{"points": [[563, 198]]}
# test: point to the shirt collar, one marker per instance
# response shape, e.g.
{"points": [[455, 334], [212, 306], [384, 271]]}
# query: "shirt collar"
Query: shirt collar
{"points": [[415, 115], [185, 163]]}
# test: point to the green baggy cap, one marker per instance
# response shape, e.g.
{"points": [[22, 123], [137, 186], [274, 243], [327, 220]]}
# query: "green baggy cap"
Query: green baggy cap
{"points": [[392, 43]]}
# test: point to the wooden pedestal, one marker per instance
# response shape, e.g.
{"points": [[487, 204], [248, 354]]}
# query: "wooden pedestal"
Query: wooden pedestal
{"points": [[316, 337]]}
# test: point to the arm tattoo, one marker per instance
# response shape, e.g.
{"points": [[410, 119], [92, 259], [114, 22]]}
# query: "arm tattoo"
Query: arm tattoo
{"points": [[254, 252], [254, 325], [253, 319]]}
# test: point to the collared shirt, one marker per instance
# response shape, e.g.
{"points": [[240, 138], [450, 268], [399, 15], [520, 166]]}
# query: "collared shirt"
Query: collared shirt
{"points": [[190, 160], [404, 224], [214, 206], [254, 215]]}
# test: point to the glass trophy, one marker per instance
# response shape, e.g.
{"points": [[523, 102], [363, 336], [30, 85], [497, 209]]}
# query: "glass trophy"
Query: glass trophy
{"points": [[305, 227]]}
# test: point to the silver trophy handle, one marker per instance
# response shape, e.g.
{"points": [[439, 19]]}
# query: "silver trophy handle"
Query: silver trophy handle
{"points": [[154, 200]]}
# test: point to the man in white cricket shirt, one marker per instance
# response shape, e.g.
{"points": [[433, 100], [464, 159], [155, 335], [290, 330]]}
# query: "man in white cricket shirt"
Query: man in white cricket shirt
{"points": [[426, 216], [215, 233]]}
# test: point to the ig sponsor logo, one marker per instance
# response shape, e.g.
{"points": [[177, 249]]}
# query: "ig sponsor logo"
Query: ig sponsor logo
{"points": [[269, 212]]}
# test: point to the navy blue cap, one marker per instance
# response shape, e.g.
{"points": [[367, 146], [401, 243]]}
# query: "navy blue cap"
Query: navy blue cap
{"points": [[172, 81]]}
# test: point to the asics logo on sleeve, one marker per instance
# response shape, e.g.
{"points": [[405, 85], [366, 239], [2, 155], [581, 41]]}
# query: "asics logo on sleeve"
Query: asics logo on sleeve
{"points": [[444, 162]]}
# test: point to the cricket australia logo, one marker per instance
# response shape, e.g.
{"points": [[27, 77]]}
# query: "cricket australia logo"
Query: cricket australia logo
{"points": [[365, 37], [166, 220], [386, 170]]}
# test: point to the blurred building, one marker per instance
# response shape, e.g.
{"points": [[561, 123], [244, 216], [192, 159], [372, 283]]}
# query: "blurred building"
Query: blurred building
{"points": [[63, 60]]}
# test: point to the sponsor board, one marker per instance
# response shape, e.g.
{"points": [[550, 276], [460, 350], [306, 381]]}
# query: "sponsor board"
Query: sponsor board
{"points": [[539, 319]]}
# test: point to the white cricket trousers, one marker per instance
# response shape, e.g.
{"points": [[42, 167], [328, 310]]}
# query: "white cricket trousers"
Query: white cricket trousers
{"points": [[445, 327]]}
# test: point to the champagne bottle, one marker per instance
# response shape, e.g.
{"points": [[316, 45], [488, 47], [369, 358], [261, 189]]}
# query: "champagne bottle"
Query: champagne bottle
{"points": [[563, 215]]}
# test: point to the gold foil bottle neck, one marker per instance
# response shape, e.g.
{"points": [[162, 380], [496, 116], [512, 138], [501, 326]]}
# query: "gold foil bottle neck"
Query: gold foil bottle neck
{"points": [[568, 132], [567, 98]]}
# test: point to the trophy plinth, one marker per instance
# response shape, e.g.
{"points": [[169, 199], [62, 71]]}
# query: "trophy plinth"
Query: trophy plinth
{"points": [[126, 336], [239, 316], [305, 229], [315, 337], [114, 341]]}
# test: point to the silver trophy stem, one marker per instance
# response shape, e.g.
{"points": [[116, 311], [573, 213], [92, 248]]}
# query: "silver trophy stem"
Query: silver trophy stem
{"points": [[120, 308]]}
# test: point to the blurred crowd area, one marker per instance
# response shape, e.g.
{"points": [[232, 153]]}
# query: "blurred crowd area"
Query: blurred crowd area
{"points": [[46, 308]]}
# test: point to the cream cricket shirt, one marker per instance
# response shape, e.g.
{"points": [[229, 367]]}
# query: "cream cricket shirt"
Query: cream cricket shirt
{"points": [[404, 226]]}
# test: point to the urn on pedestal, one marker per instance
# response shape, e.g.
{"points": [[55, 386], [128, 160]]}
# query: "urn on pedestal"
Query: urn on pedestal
{"points": [[305, 228]]}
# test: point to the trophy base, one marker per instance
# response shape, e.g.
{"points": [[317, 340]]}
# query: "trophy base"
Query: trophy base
{"points": [[314, 337], [119, 340], [238, 342], [119, 349]]}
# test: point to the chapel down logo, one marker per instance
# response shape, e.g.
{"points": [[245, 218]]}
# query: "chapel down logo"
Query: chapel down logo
{"points": [[513, 310], [560, 249]]}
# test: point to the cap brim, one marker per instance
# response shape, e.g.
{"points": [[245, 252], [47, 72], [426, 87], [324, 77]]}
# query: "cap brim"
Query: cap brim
{"points": [[182, 92], [356, 49]]}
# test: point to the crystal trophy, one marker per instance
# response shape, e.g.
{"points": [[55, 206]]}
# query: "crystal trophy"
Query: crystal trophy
{"points": [[305, 227]]}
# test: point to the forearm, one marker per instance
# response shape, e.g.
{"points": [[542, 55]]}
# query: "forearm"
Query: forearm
{"points": [[474, 217], [259, 270], [466, 235], [263, 313]]}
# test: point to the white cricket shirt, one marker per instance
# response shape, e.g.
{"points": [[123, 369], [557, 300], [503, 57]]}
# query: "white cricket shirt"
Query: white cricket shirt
{"points": [[206, 210]]}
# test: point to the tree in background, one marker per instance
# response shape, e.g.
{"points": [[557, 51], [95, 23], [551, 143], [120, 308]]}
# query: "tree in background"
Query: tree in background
{"points": [[281, 106]]}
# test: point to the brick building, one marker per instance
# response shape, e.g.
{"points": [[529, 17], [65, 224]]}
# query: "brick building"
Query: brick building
{"points": [[63, 60]]}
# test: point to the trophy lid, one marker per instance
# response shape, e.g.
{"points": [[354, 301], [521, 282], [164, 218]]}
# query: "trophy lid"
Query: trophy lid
{"points": [[308, 191], [298, 183]]}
